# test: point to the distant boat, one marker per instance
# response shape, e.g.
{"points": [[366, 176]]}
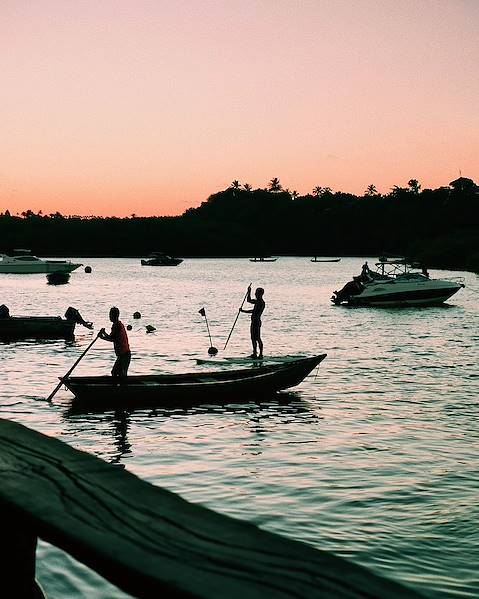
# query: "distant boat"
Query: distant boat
{"points": [[325, 259], [161, 259], [23, 262], [263, 259]]}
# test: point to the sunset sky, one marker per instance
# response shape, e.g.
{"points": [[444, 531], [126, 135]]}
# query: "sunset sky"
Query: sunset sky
{"points": [[147, 107]]}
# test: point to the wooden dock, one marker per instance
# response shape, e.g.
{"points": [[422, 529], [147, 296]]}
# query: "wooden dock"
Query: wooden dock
{"points": [[148, 541]]}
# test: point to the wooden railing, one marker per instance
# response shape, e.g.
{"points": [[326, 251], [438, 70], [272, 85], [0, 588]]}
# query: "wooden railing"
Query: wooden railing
{"points": [[146, 540]]}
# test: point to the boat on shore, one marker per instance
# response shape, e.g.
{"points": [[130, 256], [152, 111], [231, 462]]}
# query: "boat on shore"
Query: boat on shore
{"points": [[23, 262], [39, 327], [161, 389], [315, 259], [396, 282], [161, 259]]}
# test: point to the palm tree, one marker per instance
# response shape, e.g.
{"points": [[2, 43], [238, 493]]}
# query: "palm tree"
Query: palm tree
{"points": [[235, 184], [294, 194], [247, 187], [275, 185], [317, 191], [371, 190], [414, 185]]}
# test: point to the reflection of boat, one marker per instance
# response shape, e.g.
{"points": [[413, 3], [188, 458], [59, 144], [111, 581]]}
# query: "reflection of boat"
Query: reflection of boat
{"points": [[325, 259], [161, 259], [39, 327], [219, 386], [22, 262], [396, 284], [263, 259], [58, 277]]}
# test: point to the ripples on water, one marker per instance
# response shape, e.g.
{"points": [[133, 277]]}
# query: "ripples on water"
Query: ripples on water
{"points": [[375, 458]]}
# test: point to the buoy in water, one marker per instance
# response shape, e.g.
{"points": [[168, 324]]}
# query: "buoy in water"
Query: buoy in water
{"points": [[212, 351], [128, 327], [87, 268], [136, 315]]}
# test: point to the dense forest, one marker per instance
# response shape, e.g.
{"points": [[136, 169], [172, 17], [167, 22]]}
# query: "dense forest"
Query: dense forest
{"points": [[439, 227]]}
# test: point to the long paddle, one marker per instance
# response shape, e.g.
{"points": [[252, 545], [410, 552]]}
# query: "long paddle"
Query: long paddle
{"points": [[237, 316], [49, 398]]}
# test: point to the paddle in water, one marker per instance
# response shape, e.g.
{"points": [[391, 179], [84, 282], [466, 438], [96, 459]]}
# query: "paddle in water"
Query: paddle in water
{"points": [[212, 351], [49, 398]]}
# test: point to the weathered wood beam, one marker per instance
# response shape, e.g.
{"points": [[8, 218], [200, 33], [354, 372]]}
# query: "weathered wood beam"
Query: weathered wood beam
{"points": [[151, 543]]}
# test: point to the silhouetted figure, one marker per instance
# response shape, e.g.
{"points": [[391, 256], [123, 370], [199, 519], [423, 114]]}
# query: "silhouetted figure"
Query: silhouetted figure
{"points": [[425, 272], [256, 313], [74, 314], [119, 338], [365, 275]]}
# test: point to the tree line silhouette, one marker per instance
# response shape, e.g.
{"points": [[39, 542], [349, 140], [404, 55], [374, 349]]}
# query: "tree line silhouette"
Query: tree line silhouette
{"points": [[439, 227]]}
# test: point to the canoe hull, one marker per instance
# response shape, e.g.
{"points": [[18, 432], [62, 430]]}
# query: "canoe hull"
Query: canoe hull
{"points": [[35, 327], [219, 386]]}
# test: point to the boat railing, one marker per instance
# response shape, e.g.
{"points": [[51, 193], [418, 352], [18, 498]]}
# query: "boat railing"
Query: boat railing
{"points": [[459, 280], [148, 541]]}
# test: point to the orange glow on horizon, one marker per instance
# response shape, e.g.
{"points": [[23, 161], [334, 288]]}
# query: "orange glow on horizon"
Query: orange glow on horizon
{"points": [[147, 108]]}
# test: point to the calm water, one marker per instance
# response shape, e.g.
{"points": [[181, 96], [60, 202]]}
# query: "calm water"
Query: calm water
{"points": [[375, 459]]}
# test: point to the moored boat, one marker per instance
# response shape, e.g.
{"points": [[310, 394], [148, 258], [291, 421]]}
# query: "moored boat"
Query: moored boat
{"points": [[23, 262], [161, 259], [315, 259], [58, 277], [39, 327], [219, 386], [395, 283], [263, 259]]}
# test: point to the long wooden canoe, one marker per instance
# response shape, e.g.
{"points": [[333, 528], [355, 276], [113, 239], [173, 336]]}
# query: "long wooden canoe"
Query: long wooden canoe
{"points": [[220, 386], [35, 327]]}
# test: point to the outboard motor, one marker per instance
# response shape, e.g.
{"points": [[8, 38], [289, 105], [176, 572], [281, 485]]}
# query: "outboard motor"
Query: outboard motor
{"points": [[72, 314]]}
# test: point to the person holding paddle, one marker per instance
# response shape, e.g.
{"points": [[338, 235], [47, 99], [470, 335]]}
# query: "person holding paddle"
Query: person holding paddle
{"points": [[256, 313], [119, 338]]}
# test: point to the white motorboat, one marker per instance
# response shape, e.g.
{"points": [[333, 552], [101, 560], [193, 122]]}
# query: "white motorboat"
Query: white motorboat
{"points": [[396, 283], [22, 262]]}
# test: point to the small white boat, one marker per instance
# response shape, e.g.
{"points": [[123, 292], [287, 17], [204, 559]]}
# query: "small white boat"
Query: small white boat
{"points": [[396, 284], [22, 262]]}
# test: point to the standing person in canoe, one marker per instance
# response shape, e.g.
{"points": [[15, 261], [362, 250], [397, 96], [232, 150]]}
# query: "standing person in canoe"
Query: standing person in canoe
{"points": [[256, 313], [119, 338]]}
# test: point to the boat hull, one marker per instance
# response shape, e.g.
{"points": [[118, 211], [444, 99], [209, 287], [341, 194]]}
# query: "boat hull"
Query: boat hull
{"points": [[153, 262], [35, 327], [427, 296], [218, 387], [40, 267]]}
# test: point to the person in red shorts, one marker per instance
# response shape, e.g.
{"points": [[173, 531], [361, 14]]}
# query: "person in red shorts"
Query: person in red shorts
{"points": [[119, 338]]}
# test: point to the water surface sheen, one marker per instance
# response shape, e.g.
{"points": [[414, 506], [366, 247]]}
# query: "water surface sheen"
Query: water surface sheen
{"points": [[375, 457]]}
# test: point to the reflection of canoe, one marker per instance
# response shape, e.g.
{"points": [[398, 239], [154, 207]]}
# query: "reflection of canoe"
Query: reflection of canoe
{"points": [[230, 361], [325, 259], [35, 327], [219, 386], [263, 259]]}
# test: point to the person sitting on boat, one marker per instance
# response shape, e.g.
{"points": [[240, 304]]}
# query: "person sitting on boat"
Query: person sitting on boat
{"points": [[256, 313], [119, 338], [365, 275]]}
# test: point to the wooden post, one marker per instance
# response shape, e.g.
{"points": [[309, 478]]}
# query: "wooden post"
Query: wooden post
{"points": [[17, 556]]}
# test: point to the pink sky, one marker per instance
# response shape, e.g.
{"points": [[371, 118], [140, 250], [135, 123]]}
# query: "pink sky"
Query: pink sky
{"points": [[147, 107]]}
